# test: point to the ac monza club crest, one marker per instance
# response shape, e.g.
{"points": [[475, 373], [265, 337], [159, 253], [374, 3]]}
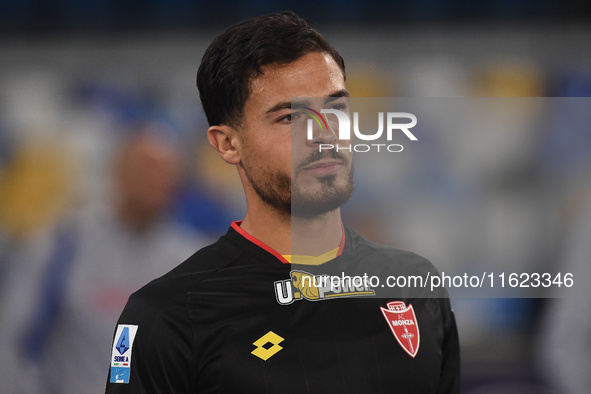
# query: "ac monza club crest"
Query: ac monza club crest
{"points": [[404, 325]]}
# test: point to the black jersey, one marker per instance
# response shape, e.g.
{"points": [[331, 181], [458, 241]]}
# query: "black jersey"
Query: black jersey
{"points": [[226, 321]]}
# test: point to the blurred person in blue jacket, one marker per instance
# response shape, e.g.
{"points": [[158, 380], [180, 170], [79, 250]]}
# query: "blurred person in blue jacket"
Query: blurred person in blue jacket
{"points": [[66, 293], [565, 341]]}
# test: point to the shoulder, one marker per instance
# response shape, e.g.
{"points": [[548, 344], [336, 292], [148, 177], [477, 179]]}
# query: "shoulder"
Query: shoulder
{"points": [[172, 287], [394, 258], [158, 314], [397, 272]]}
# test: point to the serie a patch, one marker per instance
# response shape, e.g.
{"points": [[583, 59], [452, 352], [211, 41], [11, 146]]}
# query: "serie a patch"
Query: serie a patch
{"points": [[121, 354]]}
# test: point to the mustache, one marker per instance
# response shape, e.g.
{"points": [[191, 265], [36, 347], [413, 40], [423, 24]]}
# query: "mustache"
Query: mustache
{"points": [[325, 154]]}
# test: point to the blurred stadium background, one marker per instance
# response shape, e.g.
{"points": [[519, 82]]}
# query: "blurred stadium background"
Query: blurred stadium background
{"points": [[78, 77]]}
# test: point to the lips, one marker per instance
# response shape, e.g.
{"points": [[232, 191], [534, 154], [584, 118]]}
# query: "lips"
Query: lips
{"points": [[325, 167]]}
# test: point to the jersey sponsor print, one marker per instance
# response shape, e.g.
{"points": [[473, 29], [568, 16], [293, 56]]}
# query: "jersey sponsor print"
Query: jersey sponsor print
{"points": [[304, 285]]}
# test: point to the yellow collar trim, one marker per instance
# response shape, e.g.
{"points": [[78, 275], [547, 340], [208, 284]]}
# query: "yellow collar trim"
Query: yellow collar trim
{"points": [[312, 260]]}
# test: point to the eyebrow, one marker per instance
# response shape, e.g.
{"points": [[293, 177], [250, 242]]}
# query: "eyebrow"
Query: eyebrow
{"points": [[279, 107], [287, 104], [338, 94]]}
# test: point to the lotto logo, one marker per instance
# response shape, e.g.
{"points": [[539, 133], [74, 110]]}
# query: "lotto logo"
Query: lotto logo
{"points": [[267, 345]]}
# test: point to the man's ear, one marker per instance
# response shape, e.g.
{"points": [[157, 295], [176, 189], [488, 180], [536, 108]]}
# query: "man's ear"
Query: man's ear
{"points": [[224, 140]]}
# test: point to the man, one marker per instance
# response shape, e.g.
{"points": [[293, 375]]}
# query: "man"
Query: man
{"points": [[85, 270], [237, 317]]}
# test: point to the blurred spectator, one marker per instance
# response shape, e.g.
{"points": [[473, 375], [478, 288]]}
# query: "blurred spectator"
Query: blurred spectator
{"points": [[64, 294], [565, 341], [35, 181]]}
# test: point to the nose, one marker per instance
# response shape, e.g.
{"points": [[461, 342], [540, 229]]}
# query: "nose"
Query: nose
{"points": [[320, 132]]}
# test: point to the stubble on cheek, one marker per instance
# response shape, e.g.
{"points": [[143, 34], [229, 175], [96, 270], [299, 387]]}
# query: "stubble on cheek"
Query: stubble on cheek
{"points": [[271, 185]]}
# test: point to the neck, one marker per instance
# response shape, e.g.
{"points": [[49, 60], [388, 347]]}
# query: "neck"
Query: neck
{"points": [[314, 236], [294, 235]]}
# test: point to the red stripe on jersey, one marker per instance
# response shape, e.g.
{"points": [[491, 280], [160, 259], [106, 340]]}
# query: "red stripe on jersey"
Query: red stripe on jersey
{"points": [[342, 245], [236, 226]]}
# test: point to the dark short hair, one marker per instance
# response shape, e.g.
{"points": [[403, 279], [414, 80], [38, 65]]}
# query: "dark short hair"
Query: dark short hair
{"points": [[236, 56]]}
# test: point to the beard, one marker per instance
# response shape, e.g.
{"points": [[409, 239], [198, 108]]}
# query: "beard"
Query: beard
{"points": [[334, 191], [275, 188]]}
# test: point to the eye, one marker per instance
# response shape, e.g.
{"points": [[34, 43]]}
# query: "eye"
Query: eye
{"points": [[339, 106], [289, 118]]}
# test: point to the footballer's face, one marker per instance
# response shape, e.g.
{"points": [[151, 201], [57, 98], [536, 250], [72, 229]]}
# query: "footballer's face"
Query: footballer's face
{"points": [[286, 170]]}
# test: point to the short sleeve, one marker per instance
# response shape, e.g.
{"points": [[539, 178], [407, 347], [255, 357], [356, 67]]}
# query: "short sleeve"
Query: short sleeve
{"points": [[154, 340]]}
